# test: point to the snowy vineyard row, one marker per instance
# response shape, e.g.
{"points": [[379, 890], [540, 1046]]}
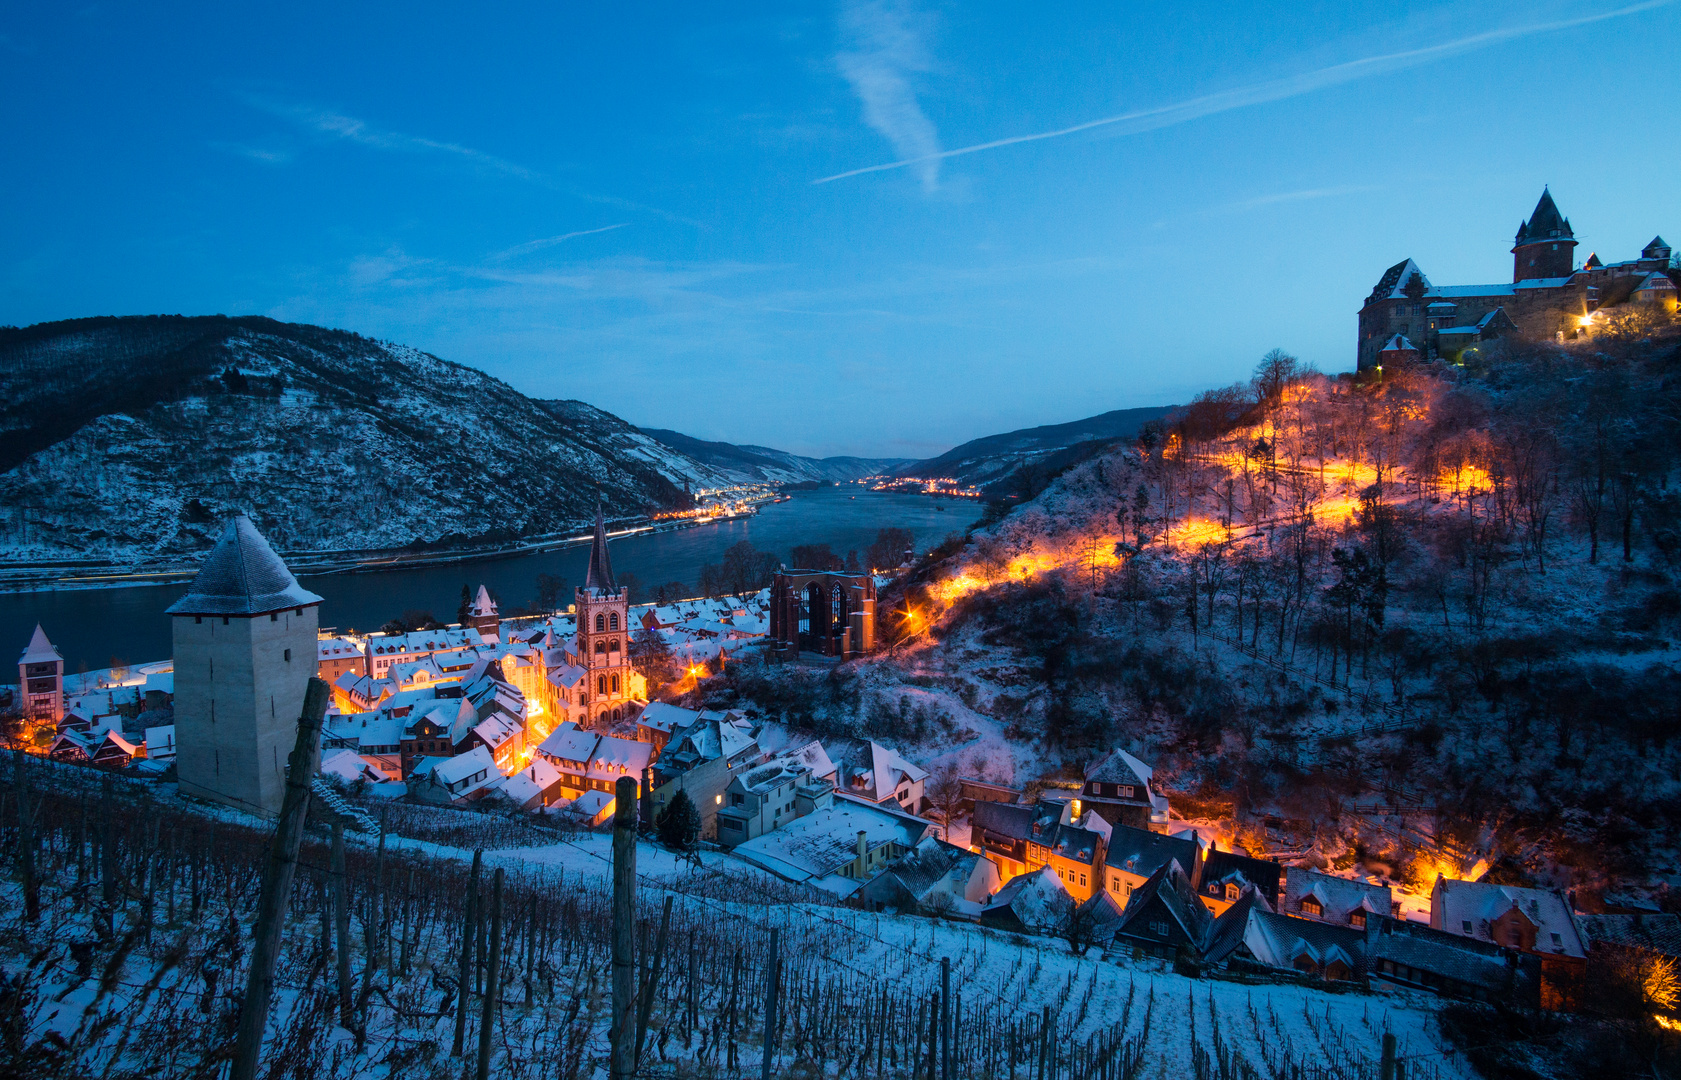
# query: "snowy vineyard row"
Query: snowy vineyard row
{"points": [[135, 961]]}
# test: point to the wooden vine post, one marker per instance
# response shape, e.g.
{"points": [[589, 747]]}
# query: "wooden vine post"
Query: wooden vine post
{"points": [[277, 884], [622, 1033], [493, 977]]}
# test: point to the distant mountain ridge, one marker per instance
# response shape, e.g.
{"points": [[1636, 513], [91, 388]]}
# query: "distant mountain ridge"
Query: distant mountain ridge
{"points": [[992, 462], [765, 465]]}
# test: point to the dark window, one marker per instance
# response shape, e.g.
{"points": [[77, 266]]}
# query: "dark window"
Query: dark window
{"points": [[288, 656], [274, 616], [613, 620], [224, 620], [198, 618], [600, 623]]}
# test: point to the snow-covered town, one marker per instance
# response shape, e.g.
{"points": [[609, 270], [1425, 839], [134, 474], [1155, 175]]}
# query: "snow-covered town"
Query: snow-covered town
{"points": [[543, 725]]}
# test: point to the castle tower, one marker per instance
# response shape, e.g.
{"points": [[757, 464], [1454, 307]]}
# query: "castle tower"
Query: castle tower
{"points": [[41, 680], [244, 652], [483, 618], [614, 688], [1545, 247]]}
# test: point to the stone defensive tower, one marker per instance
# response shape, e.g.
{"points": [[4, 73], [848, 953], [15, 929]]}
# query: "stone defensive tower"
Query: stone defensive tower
{"points": [[244, 651]]}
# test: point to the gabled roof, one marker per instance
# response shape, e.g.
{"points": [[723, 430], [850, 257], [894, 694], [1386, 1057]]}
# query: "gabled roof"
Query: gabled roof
{"points": [[1120, 767], [1546, 223], [1036, 900], [599, 577], [1655, 281], [242, 576], [1338, 897], [1173, 888], [1455, 903], [1657, 249], [1232, 926], [569, 742], [1399, 343], [1395, 278], [40, 650], [456, 769]]}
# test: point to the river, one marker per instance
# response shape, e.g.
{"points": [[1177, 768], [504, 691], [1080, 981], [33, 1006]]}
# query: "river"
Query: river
{"points": [[91, 627]]}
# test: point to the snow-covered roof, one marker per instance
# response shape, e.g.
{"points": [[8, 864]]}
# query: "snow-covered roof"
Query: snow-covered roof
{"points": [[1039, 900], [824, 841], [496, 731], [864, 766], [242, 576], [1470, 907], [1339, 898], [568, 742], [1656, 281], [530, 782], [483, 605], [1118, 766], [1399, 343], [454, 770], [341, 648], [666, 718], [40, 650], [160, 741]]}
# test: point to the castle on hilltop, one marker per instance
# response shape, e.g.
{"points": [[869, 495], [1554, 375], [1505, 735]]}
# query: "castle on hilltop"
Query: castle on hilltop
{"points": [[1549, 296]]}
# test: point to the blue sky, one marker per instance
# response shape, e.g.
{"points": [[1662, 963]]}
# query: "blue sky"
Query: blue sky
{"points": [[658, 209]]}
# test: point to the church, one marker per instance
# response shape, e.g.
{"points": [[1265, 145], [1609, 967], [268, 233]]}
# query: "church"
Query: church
{"points": [[1550, 296]]}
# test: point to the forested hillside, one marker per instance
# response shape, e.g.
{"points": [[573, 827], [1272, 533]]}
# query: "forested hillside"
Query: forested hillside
{"points": [[1427, 622], [132, 437]]}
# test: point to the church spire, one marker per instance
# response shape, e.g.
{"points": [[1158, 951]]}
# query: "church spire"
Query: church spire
{"points": [[600, 576]]}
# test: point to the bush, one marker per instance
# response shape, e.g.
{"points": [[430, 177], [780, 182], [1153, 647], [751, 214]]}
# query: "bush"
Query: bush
{"points": [[679, 825]]}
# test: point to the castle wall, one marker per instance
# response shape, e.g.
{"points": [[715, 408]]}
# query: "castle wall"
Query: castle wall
{"points": [[237, 702]]}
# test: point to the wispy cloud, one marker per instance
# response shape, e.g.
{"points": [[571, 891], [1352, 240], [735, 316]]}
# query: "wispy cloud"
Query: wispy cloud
{"points": [[550, 241], [1259, 93], [349, 128], [884, 52], [256, 153], [1305, 195]]}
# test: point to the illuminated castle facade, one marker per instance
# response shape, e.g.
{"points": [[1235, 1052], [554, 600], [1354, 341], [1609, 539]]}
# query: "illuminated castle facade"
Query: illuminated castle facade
{"points": [[1550, 296]]}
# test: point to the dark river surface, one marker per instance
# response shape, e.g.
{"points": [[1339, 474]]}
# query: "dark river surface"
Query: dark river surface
{"points": [[93, 626]]}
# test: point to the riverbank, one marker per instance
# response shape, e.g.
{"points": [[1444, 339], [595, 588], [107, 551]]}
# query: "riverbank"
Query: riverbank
{"points": [[17, 577]]}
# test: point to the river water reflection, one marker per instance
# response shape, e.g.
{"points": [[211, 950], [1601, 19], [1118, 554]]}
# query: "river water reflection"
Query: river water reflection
{"points": [[92, 626]]}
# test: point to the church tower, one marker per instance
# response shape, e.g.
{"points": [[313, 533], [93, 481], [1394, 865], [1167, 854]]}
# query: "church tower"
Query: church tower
{"points": [[244, 651], [1545, 247], [615, 689], [483, 617], [41, 680]]}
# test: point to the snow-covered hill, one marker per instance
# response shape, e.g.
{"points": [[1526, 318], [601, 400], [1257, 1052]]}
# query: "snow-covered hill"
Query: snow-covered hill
{"points": [[134, 437]]}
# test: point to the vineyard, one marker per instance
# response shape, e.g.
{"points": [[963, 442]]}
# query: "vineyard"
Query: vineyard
{"points": [[127, 951]]}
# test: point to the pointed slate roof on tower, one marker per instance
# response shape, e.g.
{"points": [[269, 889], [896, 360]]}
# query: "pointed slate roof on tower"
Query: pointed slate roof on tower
{"points": [[483, 604], [40, 650], [600, 576], [242, 576], [1546, 223]]}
